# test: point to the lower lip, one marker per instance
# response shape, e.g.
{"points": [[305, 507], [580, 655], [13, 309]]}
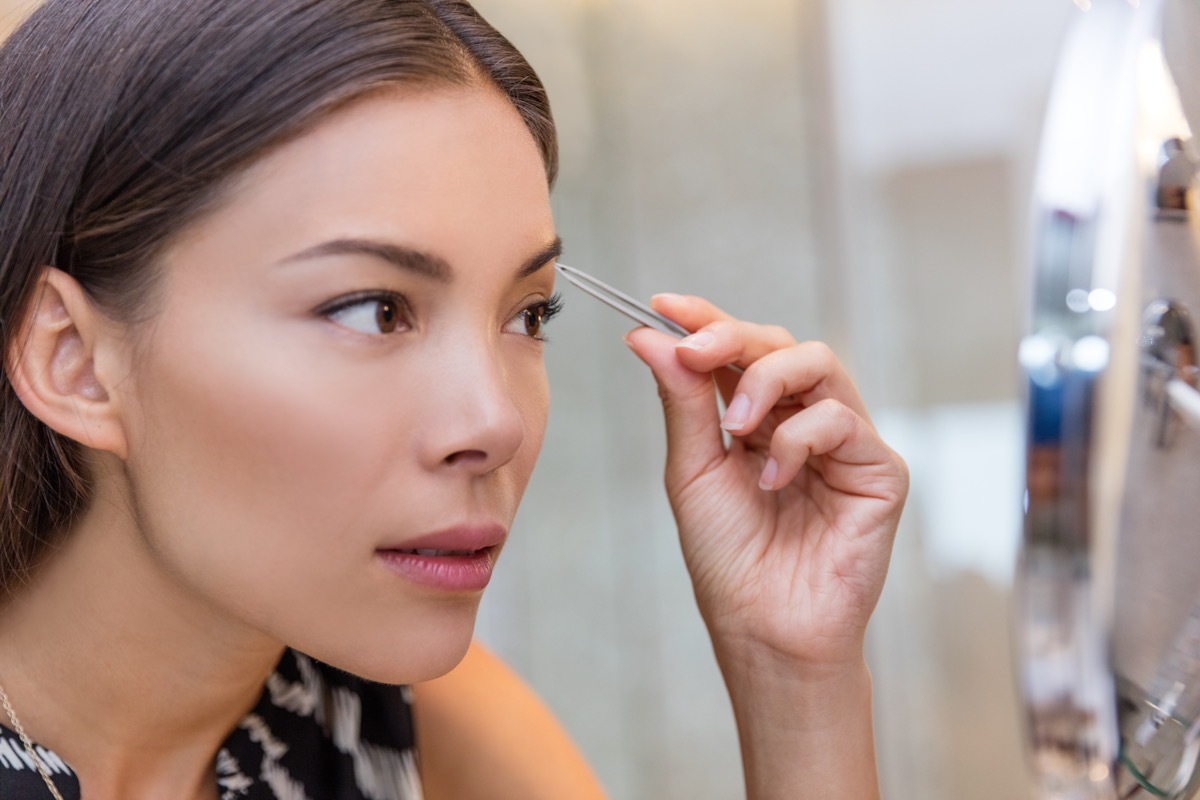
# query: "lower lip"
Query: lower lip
{"points": [[446, 573]]}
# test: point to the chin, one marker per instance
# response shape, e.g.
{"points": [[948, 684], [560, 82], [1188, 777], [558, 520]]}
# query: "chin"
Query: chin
{"points": [[419, 650]]}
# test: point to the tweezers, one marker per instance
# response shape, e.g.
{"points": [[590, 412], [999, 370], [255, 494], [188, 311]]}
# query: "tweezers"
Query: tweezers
{"points": [[634, 309], [637, 311]]}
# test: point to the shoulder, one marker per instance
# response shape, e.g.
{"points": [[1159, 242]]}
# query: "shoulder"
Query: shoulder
{"points": [[483, 733]]}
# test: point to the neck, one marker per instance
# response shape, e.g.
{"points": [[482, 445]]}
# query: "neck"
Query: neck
{"points": [[123, 672]]}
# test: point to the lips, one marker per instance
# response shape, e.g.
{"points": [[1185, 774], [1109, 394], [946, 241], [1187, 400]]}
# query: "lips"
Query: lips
{"points": [[458, 559], [439, 553], [458, 540]]}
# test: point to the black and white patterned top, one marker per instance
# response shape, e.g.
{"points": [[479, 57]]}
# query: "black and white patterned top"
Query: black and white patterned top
{"points": [[316, 734]]}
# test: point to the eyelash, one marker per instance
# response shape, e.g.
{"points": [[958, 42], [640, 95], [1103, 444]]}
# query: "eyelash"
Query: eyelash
{"points": [[543, 310]]}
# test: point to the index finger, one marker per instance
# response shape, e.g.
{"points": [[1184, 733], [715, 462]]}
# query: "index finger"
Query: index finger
{"points": [[721, 339], [731, 341], [689, 311]]}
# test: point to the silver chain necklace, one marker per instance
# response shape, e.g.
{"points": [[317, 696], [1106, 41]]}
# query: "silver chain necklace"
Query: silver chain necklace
{"points": [[37, 761]]}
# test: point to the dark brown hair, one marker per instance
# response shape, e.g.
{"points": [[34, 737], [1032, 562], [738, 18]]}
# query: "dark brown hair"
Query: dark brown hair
{"points": [[121, 121]]}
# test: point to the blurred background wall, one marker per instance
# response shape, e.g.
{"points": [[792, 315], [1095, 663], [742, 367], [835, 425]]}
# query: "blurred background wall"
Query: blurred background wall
{"points": [[857, 171]]}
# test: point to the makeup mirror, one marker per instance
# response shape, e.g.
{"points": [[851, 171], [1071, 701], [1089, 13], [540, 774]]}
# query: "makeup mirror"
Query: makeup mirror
{"points": [[1108, 597]]}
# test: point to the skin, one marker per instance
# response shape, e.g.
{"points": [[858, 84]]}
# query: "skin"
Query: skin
{"points": [[482, 733], [252, 451]]}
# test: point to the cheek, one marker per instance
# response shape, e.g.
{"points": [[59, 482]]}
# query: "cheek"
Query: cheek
{"points": [[531, 396], [257, 437], [260, 472]]}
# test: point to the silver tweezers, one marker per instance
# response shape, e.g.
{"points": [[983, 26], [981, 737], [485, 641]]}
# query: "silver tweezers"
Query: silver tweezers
{"points": [[635, 310]]}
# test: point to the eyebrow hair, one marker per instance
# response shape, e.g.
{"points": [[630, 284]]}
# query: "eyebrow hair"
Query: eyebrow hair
{"points": [[405, 258], [413, 260], [550, 253]]}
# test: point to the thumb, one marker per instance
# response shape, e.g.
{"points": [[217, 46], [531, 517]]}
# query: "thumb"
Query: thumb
{"points": [[694, 443]]}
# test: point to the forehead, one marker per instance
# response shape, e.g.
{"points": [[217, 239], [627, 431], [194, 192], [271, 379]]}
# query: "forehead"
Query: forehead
{"points": [[453, 170]]}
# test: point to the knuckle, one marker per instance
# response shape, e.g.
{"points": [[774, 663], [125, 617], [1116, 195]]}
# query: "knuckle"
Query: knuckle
{"points": [[821, 354], [842, 413], [779, 334], [721, 329], [683, 397], [756, 378], [771, 376], [780, 386], [791, 437], [833, 413], [830, 407]]}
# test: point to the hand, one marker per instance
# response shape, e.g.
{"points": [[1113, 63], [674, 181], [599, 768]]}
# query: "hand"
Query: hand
{"points": [[786, 533]]}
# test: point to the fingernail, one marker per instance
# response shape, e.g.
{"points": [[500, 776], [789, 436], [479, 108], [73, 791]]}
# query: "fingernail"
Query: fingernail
{"points": [[770, 474], [697, 341], [737, 413], [668, 296]]}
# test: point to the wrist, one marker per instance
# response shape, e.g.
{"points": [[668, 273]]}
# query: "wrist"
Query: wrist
{"points": [[837, 658], [773, 686], [805, 730]]}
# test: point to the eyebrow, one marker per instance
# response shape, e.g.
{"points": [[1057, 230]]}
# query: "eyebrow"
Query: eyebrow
{"points": [[413, 260], [539, 260]]}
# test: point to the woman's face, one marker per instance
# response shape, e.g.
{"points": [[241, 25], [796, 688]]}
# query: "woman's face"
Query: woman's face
{"points": [[337, 406]]}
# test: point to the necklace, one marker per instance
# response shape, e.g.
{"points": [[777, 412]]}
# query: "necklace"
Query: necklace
{"points": [[41, 766]]}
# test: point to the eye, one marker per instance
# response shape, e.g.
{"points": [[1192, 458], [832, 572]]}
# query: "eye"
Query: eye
{"points": [[369, 312], [530, 321]]}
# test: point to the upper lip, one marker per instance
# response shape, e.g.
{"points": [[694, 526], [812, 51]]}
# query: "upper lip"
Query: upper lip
{"points": [[460, 538]]}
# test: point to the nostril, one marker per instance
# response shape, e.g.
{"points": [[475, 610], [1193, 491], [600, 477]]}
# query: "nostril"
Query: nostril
{"points": [[466, 457]]}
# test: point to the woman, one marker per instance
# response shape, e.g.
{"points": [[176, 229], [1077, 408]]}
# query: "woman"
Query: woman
{"points": [[272, 290]]}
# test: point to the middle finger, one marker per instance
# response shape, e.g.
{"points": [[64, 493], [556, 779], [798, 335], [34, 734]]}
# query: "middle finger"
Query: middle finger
{"points": [[806, 373]]}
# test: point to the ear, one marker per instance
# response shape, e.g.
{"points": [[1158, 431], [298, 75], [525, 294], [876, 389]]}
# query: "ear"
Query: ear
{"points": [[64, 361]]}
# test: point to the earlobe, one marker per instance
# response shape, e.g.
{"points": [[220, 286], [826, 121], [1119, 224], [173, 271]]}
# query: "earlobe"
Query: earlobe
{"points": [[53, 364]]}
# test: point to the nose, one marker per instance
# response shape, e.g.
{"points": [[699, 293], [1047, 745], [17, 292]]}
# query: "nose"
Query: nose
{"points": [[473, 421]]}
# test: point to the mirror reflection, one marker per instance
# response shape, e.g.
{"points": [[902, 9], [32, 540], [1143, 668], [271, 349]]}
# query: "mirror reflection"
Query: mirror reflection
{"points": [[1107, 627]]}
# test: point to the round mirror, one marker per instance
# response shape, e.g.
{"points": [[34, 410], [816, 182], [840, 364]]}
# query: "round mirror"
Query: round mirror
{"points": [[1108, 598]]}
